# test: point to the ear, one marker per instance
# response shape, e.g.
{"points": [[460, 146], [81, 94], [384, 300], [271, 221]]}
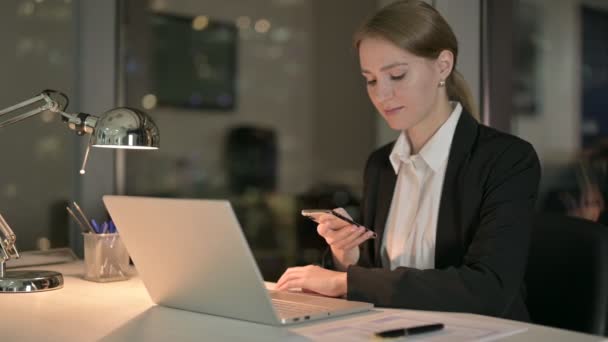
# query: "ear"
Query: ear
{"points": [[445, 63]]}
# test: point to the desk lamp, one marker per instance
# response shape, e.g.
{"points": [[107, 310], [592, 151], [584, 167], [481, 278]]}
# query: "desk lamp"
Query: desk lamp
{"points": [[123, 127]]}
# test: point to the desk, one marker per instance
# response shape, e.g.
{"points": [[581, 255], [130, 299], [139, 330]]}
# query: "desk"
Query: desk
{"points": [[122, 311]]}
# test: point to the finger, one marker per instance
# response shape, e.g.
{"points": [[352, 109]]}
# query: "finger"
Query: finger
{"points": [[326, 231], [343, 212], [326, 217], [333, 237], [347, 240], [286, 278], [281, 283], [304, 290], [291, 283], [333, 222], [360, 240], [289, 272]]}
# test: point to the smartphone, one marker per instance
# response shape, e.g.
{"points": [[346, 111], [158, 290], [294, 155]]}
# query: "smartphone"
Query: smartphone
{"points": [[314, 215]]}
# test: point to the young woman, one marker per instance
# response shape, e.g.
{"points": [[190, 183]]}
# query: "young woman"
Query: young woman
{"points": [[450, 200]]}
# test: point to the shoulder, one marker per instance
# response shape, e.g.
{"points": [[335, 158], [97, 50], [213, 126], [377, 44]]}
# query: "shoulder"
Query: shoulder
{"points": [[381, 153], [494, 145], [499, 159], [379, 157], [484, 153]]}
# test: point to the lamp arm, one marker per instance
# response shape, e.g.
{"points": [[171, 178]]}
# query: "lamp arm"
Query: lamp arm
{"points": [[8, 249], [81, 123], [48, 105]]}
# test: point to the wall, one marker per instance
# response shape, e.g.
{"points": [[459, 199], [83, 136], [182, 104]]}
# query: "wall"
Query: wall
{"points": [[559, 86], [38, 163], [555, 129], [344, 117], [306, 88]]}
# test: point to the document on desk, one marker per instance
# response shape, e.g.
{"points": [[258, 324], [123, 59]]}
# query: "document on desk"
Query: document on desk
{"points": [[362, 327], [39, 258]]}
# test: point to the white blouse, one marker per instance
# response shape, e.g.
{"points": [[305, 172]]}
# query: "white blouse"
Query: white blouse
{"points": [[411, 226]]}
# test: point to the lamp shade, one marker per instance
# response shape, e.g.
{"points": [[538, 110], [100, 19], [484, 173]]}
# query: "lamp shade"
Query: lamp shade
{"points": [[125, 128]]}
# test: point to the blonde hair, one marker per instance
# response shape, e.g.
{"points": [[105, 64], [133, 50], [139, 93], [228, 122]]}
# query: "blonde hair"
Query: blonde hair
{"points": [[418, 28]]}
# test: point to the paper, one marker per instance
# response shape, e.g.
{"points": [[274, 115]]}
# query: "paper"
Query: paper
{"points": [[362, 328], [38, 258]]}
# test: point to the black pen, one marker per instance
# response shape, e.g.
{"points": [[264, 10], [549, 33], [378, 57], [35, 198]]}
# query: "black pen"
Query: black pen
{"points": [[344, 218], [420, 329]]}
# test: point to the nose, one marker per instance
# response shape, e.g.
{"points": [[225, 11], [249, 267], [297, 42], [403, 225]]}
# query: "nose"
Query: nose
{"points": [[382, 91]]}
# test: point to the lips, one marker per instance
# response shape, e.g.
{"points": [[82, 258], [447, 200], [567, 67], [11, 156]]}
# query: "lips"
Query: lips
{"points": [[393, 110]]}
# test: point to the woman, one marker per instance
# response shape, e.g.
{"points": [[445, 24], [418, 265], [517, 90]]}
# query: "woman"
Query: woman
{"points": [[450, 199]]}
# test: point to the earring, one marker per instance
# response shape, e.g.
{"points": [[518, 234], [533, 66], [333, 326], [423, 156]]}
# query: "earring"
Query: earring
{"points": [[441, 84]]}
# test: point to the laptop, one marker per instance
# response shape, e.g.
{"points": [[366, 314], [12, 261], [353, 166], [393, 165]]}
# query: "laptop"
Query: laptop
{"points": [[191, 254]]}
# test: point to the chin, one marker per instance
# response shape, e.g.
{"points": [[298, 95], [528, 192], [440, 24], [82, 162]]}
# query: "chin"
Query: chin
{"points": [[398, 125]]}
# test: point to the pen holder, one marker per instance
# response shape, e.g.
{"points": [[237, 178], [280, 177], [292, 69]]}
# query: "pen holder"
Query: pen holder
{"points": [[105, 258]]}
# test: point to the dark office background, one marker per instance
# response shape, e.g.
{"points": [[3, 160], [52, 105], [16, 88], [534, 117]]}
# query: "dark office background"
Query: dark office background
{"points": [[289, 125]]}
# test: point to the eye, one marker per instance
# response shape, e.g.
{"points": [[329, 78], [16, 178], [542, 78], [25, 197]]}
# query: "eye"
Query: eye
{"points": [[397, 77], [370, 82]]}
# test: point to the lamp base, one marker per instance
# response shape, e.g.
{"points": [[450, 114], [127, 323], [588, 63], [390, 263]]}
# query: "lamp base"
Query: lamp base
{"points": [[30, 281]]}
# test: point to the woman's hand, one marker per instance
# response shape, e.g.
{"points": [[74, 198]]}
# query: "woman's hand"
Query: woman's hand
{"points": [[343, 238], [589, 206], [315, 279]]}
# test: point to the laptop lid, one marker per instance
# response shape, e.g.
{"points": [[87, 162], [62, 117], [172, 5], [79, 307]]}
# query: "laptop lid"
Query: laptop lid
{"points": [[191, 254]]}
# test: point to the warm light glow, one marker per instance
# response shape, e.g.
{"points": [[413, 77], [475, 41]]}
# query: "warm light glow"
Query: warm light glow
{"points": [[281, 35], [10, 191], [243, 22], [200, 22], [47, 116], [82, 172], [26, 9], [262, 26], [149, 101], [127, 147]]}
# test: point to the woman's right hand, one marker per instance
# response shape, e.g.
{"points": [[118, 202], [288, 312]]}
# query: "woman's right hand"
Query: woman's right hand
{"points": [[343, 238]]}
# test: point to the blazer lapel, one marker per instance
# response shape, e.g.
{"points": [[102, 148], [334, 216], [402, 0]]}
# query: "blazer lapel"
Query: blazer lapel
{"points": [[386, 187], [447, 248]]}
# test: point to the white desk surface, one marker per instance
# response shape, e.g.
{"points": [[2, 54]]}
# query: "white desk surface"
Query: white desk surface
{"points": [[122, 311]]}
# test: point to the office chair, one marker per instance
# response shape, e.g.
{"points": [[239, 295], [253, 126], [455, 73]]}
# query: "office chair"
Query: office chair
{"points": [[251, 159], [567, 274]]}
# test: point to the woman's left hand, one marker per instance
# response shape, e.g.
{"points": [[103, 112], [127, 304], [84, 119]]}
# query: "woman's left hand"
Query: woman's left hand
{"points": [[315, 279]]}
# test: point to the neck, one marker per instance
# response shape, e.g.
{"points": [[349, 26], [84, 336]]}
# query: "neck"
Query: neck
{"points": [[419, 134]]}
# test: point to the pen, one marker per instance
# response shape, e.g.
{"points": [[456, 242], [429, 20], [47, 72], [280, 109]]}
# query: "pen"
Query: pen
{"points": [[84, 228], [95, 226], [86, 220], [420, 329], [344, 218], [112, 227], [105, 227]]}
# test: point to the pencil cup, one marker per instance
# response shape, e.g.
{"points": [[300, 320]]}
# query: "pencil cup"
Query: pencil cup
{"points": [[105, 258]]}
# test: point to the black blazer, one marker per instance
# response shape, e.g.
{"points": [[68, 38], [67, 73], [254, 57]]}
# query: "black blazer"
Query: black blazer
{"points": [[483, 229]]}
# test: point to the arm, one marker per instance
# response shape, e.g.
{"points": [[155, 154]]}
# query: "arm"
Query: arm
{"points": [[339, 261], [493, 267]]}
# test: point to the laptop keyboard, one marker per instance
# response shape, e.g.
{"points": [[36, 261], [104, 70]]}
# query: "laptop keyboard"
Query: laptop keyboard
{"points": [[290, 309]]}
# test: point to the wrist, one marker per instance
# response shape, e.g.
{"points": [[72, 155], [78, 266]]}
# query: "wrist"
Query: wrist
{"points": [[345, 258], [341, 284]]}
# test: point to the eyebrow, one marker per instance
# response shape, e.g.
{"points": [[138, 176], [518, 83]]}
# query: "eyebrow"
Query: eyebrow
{"points": [[386, 67]]}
